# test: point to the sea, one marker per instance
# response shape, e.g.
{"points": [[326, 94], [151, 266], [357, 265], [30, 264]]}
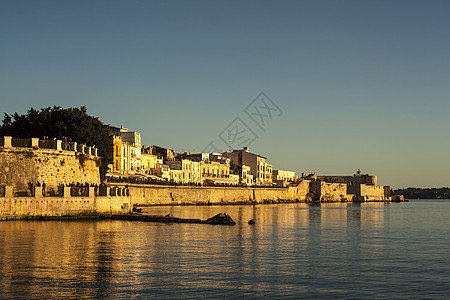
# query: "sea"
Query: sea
{"points": [[293, 251]]}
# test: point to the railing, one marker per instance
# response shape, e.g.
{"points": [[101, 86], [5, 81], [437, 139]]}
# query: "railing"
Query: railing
{"points": [[67, 191], [66, 146], [53, 192], [44, 144], [24, 143], [79, 191], [8, 142], [169, 183], [102, 191]]}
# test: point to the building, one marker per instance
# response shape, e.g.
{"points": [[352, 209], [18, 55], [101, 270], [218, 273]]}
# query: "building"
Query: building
{"points": [[195, 156], [175, 176], [190, 170], [361, 186], [282, 178], [246, 175], [268, 174], [357, 178], [232, 179], [126, 150], [205, 157], [218, 157], [166, 153], [214, 170], [122, 157], [135, 160], [149, 161], [214, 167], [118, 160], [261, 171], [161, 170]]}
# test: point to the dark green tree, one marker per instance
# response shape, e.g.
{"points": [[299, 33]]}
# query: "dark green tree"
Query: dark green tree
{"points": [[69, 124]]}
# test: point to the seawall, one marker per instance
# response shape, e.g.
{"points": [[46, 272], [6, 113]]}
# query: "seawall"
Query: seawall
{"points": [[33, 207], [194, 195], [183, 195], [140, 195]]}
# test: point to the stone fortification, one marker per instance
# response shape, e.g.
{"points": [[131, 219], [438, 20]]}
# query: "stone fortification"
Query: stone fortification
{"points": [[21, 167], [350, 180], [335, 192], [329, 192], [28, 207], [359, 187], [305, 191], [370, 192], [182, 195]]}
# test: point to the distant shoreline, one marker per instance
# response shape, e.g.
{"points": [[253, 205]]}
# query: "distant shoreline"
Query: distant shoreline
{"points": [[424, 193]]}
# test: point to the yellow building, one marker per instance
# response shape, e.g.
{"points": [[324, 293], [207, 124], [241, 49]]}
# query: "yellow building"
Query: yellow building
{"points": [[190, 170], [135, 158], [117, 155], [148, 162], [282, 178], [161, 170], [126, 150], [287, 176], [214, 170], [122, 158], [231, 180], [176, 176]]}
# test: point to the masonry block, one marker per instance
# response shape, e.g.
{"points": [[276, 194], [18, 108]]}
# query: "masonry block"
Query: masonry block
{"points": [[91, 191], [34, 142], [66, 191], [7, 141], [9, 191], [38, 191]]}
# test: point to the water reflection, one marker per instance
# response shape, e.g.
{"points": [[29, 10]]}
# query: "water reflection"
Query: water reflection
{"points": [[292, 250]]}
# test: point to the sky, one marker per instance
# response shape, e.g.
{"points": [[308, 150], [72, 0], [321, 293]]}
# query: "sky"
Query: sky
{"points": [[315, 86]]}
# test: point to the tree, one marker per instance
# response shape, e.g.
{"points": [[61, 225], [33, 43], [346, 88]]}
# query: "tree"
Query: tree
{"points": [[70, 124]]}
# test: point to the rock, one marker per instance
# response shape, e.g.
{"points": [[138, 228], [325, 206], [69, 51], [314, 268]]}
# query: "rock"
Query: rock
{"points": [[221, 219], [137, 210], [251, 222]]}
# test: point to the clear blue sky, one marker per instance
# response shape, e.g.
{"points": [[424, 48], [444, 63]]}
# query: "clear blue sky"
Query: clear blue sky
{"points": [[362, 84]]}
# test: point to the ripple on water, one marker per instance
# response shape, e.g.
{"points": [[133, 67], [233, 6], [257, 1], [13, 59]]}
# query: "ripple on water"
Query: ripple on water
{"points": [[338, 250]]}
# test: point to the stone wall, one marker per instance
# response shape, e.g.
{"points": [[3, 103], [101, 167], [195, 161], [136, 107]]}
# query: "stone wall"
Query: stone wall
{"points": [[329, 192], [23, 207], [370, 192], [364, 191], [112, 205], [175, 195], [21, 166], [355, 179]]}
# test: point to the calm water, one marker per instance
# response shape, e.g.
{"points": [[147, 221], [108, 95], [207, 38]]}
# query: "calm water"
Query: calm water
{"points": [[397, 250]]}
